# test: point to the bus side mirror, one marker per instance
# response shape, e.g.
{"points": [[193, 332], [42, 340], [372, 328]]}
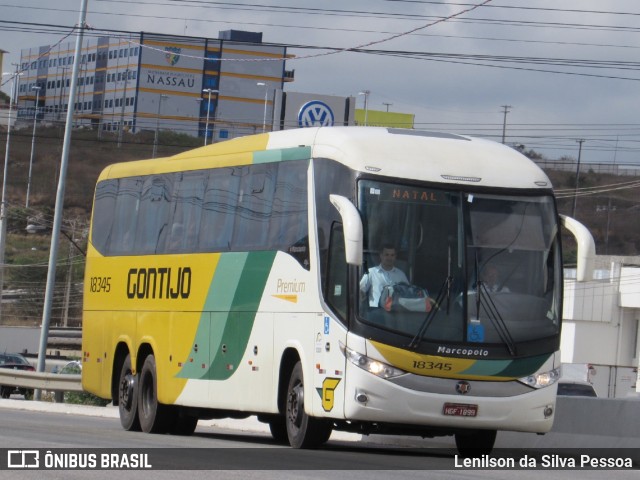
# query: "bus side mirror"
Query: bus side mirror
{"points": [[352, 225], [586, 247]]}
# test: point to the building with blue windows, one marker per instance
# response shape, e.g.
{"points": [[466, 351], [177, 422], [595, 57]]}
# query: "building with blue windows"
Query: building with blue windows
{"points": [[221, 88]]}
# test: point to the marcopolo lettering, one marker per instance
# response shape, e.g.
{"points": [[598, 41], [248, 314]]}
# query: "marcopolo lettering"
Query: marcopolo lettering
{"points": [[161, 283], [470, 352]]}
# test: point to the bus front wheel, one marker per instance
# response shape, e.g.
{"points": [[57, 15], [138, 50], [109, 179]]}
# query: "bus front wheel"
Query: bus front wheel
{"points": [[152, 414], [303, 430], [475, 443], [278, 429], [128, 397]]}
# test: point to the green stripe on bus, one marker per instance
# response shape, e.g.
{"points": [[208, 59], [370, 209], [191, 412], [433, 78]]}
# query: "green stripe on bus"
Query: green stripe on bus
{"points": [[523, 367], [506, 368], [487, 368], [281, 155], [229, 312], [242, 314]]}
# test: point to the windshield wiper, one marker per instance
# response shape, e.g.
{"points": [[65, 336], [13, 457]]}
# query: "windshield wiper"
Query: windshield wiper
{"points": [[445, 289], [483, 299]]}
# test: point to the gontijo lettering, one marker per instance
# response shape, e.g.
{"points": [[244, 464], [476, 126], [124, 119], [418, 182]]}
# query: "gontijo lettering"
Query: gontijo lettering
{"points": [[159, 283]]}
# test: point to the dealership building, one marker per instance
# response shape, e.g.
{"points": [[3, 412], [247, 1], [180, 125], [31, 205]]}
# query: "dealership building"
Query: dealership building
{"points": [[223, 87], [219, 88]]}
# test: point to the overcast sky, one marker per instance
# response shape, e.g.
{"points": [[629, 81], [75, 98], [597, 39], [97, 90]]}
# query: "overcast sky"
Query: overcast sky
{"points": [[567, 69]]}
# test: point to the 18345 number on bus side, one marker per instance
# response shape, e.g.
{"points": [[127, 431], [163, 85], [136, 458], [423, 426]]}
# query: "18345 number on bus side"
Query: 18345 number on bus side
{"points": [[100, 284]]}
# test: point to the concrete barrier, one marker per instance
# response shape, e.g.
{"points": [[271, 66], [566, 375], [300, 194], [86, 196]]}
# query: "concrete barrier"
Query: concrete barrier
{"points": [[580, 423], [583, 422]]}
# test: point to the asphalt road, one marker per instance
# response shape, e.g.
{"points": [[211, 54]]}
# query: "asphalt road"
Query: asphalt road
{"points": [[231, 449]]}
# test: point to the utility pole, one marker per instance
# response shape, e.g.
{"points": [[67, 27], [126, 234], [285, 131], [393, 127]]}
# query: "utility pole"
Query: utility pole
{"points": [[3, 205], [57, 218], [575, 193], [122, 101], [61, 105], [366, 94], [161, 97], [386, 104], [505, 109], [37, 88], [614, 171], [209, 91]]}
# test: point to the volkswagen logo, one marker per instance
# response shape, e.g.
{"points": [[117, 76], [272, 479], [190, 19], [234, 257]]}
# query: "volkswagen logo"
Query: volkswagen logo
{"points": [[463, 387], [315, 114]]}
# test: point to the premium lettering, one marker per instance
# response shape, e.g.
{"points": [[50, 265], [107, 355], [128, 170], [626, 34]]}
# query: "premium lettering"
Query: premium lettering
{"points": [[160, 283], [291, 286]]}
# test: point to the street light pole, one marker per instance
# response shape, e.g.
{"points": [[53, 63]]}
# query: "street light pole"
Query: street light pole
{"points": [[155, 138], [575, 194], [33, 142], [59, 205], [505, 110], [366, 104], [206, 128], [123, 101], [264, 116], [61, 106], [3, 206]]}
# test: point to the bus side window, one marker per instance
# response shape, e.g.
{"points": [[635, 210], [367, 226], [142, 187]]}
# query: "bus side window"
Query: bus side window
{"points": [[188, 203], [219, 208], [126, 216], [255, 207], [336, 293], [103, 214], [154, 214]]}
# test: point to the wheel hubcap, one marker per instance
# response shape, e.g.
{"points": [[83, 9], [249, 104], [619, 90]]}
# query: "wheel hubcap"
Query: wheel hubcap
{"points": [[126, 391], [295, 408]]}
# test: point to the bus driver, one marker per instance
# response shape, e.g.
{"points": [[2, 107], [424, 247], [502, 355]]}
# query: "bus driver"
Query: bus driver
{"points": [[382, 275]]}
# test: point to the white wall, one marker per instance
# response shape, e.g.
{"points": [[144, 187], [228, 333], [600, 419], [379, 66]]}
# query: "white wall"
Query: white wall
{"points": [[602, 316]]}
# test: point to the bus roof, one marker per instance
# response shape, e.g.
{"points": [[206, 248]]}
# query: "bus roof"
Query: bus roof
{"points": [[402, 153]]}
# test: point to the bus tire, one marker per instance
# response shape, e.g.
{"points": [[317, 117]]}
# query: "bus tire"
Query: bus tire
{"points": [[128, 397], [303, 431], [181, 423], [475, 443], [153, 416], [278, 429]]}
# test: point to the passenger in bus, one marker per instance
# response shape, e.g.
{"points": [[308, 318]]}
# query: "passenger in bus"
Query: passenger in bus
{"points": [[378, 277]]}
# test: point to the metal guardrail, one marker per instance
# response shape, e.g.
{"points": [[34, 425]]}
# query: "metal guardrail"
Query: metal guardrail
{"points": [[62, 382]]}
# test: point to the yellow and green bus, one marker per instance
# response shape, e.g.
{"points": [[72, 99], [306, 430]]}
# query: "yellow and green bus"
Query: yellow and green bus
{"points": [[226, 282]]}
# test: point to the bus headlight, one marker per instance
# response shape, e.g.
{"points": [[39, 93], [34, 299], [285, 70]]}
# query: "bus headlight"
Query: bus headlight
{"points": [[541, 380], [375, 367]]}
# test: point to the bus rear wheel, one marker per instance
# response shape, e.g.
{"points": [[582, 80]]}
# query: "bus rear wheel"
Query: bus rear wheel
{"points": [[179, 423], [128, 397], [153, 416], [303, 430], [475, 443]]}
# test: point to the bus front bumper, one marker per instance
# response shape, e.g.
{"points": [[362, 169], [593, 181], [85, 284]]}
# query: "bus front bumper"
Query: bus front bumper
{"points": [[369, 398]]}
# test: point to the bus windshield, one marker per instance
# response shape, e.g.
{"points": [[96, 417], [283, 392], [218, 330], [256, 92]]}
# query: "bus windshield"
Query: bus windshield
{"points": [[456, 267]]}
